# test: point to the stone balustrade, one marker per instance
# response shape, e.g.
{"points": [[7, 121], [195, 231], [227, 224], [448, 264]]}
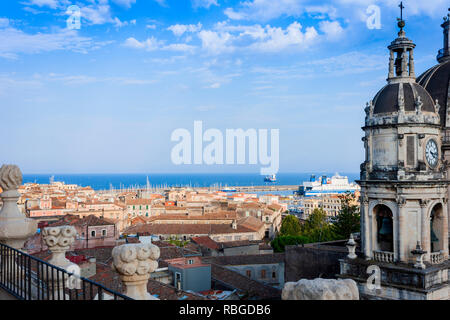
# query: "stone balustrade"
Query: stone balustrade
{"points": [[383, 256], [437, 257]]}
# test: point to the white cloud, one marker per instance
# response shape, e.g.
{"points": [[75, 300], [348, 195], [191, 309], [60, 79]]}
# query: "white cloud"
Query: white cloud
{"points": [[413, 7], [332, 29], [42, 3], [268, 38], [125, 3], [180, 29], [162, 3], [152, 44], [179, 47], [4, 22], [204, 3], [277, 39], [216, 42], [120, 24], [265, 9], [215, 85], [14, 42], [97, 13], [341, 65], [151, 26]]}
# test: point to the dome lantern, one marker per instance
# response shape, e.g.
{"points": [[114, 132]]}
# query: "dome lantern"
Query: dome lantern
{"points": [[401, 58], [444, 53]]}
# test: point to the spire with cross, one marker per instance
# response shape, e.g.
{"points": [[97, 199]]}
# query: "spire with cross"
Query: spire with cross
{"points": [[401, 22]]}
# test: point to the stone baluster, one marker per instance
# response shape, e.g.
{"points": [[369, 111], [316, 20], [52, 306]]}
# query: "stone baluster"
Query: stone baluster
{"points": [[418, 254], [135, 263], [59, 240], [351, 246], [15, 227]]}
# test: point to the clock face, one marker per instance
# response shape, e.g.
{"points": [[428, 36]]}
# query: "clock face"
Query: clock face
{"points": [[432, 153]]}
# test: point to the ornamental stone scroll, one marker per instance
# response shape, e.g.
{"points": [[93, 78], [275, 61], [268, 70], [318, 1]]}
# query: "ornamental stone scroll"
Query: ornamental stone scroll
{"points": [[134, 263]]}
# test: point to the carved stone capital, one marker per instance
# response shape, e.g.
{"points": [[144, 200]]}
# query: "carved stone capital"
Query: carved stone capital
{"points": [[401, 201], [59, 240], [424, 203], [135, 263]]}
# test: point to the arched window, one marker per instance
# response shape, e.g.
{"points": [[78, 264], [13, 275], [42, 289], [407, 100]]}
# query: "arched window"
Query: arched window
{"points": [[436, 230], [385, 228], [263, 274]]}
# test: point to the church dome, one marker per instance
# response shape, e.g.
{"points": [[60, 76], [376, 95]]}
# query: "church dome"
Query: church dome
{"points": [[436, 81], [387, 99]]}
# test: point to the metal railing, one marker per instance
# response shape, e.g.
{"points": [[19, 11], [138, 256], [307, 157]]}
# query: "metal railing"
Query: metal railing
{"points": [[28, 278]]}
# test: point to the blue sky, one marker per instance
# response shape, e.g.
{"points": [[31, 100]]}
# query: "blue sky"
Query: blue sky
{"points": [[107, 97]]}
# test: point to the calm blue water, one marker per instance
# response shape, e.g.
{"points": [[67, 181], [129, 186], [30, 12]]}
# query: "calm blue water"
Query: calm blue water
{"points": [[104, 181]]}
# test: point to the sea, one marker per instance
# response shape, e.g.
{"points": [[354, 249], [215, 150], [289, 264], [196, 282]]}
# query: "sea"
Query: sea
{"points": [[159, 180]]}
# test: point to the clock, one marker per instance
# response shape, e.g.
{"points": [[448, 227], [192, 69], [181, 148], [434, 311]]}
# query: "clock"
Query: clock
{"points": [[431, 153]]}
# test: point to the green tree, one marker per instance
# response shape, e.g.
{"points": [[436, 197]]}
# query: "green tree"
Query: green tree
{"points": [[317, 228], [348, 219], [290, 226], [279, 243]]}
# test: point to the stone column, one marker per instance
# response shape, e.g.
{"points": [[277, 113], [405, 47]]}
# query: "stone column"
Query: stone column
{"points": [[365, 223], [59, 240], [400, 245], [426, 244], [391, 64], [445, 228], [412, 72], [135, 263]]}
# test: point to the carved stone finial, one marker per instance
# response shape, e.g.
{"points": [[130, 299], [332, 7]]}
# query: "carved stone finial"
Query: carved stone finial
{"points": [[10, 177], [15, 228], [418, 104], [134, 263], [419, 253], [438, 107], [59, 240]]}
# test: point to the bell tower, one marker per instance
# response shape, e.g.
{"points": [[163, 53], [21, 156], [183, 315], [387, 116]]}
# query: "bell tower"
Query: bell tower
{"points": [[404, 221]]}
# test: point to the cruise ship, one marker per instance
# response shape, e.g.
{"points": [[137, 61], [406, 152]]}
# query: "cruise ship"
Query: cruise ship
{"points": [[271, 178], [324, 185]]}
